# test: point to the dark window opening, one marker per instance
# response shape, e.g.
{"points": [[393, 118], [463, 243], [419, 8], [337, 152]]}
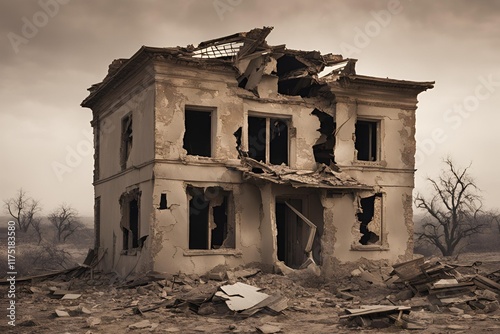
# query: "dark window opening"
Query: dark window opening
{"points": [[198, 219], [129, 203], [268, 140], [198, 133], [278, 142], [209, 226], [366, 140], [163, 202], [365, 217], [323, 149], [134, 223], [257, 138], [219, 233], [126, 140]]}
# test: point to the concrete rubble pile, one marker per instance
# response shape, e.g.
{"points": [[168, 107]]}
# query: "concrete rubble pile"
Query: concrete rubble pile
{"points": [[414, 295], [424, 284]]}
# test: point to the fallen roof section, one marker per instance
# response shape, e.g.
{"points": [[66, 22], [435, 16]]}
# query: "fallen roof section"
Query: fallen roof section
{"points": [[322, 177], [253, 60]]}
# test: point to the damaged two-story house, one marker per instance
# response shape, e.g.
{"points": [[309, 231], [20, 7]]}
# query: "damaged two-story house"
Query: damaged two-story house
{"points": [[235, 152]]}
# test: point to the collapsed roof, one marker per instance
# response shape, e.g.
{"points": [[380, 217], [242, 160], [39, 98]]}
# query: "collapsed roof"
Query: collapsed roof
{"points": [[296, 72]]}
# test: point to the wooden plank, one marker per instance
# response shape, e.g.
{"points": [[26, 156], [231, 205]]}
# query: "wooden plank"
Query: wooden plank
{"points": [[409, 270], [313, 227], [372, 309], [487, 282]]}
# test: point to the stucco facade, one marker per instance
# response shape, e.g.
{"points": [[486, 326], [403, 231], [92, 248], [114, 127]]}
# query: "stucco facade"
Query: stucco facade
{"points": [[206, 157]]}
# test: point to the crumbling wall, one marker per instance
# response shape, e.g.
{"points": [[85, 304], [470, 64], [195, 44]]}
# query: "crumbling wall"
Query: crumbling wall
{"points": [[407, 137], [141, 109], [180, 87], [111, 232], [345, 116], [137, 101], [170, 246]]}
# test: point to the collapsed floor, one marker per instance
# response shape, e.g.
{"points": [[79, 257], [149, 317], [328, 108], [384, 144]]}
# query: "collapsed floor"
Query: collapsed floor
{"points": [[362, 296]]}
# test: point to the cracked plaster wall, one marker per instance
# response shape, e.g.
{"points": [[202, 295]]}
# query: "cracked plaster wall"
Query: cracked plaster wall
{"points": [[178, 87], [170, 245], [393, 174], [137, 100]]}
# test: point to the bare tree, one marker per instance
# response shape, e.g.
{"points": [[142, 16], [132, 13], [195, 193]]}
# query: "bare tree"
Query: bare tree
{"points": [[37, 227], [66, 221], [23, 209], [454, 209]]}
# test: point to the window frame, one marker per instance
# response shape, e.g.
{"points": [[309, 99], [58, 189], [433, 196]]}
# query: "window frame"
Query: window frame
{"points": [[127, 236], [287, 119], [230, 224], [378, 138], [125, 150], [213, 127], [381, 244]]}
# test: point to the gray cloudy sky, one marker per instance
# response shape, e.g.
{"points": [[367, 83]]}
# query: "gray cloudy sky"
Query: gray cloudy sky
{"points": [[51, 52]]}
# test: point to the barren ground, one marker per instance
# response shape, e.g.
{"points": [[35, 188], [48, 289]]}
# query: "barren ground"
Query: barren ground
{"points": [[313, 306]]}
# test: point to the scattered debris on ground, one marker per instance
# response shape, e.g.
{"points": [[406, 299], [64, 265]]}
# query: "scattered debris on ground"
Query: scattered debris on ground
{"points": [[423, 295]]}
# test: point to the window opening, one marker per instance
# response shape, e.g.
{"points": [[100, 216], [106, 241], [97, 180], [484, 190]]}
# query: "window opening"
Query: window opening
{"points": [[268, 140], [366, 140], [370, 220], [126, 142], [198, 133]]}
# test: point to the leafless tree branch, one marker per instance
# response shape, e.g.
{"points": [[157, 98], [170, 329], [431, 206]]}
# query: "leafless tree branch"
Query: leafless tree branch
{"points": [[23, 209], [455, 209]]}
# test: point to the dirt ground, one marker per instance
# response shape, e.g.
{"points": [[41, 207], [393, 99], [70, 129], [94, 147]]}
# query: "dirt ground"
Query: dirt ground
{"points": [[314, 305]]}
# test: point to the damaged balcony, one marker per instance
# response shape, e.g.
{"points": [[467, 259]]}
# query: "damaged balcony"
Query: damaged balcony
{"points": [[323, 177]]}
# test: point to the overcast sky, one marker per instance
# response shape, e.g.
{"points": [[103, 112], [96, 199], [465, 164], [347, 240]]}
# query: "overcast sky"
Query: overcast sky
{"points": [[51, 52]]}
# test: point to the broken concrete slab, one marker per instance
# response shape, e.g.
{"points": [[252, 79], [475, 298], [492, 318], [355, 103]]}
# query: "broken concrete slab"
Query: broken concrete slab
{"points": [[141, 324], [269, 328], [71, 296], [241, 296], [61, 313], [93, 321]]}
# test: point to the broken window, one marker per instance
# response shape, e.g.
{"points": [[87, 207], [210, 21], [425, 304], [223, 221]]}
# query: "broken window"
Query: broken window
{"points": [[370, 219], [130, 208], [268, 140], [323, 149], [126, 140], [366, 142], [211, 223], [198, 132]]}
